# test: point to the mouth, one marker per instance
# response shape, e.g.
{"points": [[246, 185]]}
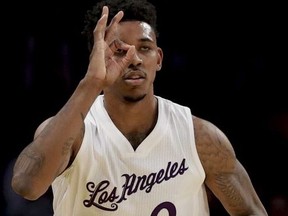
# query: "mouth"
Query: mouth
{"points": [[134, 81], [134, 77]]}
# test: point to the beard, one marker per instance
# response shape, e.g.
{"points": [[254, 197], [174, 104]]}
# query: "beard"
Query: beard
{"points": [[134, 99]]}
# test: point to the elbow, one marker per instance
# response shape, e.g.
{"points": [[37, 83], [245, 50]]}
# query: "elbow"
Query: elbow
{"points": [[25, 188]]}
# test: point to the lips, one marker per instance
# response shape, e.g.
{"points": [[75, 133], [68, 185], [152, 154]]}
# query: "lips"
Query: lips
{"points": [[134, 77]]}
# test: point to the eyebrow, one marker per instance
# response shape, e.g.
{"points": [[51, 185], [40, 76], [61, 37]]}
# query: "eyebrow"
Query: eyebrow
{"points": [[146, 39]]}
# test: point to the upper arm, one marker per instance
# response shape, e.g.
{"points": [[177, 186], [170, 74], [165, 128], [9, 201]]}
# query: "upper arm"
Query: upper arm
{"points": [[225, 175], [42, 161], [75, 146]]}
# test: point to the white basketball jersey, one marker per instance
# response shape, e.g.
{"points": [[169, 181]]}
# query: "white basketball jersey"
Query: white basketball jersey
{"points": [[162, 177]]}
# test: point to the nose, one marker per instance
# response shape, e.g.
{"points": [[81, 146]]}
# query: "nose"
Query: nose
{"points": [[136, 60]]}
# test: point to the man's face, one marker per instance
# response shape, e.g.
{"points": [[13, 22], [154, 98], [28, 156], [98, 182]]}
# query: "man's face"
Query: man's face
{"points": [[137, 79]]}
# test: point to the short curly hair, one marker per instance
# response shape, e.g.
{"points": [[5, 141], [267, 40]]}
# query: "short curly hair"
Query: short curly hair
{"points": [[140, 10]]}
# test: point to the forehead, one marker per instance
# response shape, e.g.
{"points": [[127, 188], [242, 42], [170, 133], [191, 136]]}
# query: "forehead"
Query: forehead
{"points": [[137, 30]]}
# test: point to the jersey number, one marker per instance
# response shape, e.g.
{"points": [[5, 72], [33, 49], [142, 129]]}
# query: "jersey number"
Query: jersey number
{"points": [[165, 205]]}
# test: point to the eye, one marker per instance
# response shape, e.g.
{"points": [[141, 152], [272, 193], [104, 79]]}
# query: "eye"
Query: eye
{"points": [[120, 52], [145, 48]]}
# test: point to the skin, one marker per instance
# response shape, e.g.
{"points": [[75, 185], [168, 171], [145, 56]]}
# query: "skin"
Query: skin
{"points": [[123, 63]]}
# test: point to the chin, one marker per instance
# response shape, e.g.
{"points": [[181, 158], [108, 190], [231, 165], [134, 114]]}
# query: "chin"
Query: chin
{"points": [[135, 98]]}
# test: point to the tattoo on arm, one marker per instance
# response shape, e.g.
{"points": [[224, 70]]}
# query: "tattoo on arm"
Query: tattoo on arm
{"points": [[227, 186], [67, 146], [30, 157]]}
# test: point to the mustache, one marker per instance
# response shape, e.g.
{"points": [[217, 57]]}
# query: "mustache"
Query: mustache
{"points": [[134, 73]]}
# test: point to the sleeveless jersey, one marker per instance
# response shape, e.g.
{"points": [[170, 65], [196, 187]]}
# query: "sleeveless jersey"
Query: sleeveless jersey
{"points": [[162, 177]]}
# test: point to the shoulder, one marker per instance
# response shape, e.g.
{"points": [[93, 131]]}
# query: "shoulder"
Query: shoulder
{"points": [[42, 126], [213, 146], [172, 106]]}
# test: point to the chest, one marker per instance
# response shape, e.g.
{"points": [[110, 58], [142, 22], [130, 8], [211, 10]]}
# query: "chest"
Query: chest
{"points": [[136, 138]]}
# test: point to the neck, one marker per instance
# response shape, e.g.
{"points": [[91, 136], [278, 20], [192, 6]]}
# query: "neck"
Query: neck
{"points": [[134, 119]]}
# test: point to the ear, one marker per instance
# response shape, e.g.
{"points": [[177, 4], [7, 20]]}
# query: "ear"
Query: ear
{"points": [[160, 59]]}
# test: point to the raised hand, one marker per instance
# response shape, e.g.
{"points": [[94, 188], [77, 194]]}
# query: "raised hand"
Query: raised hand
{"points": [[104, 65]]}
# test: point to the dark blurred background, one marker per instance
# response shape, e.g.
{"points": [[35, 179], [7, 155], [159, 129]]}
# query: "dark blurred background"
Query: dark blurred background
{"points": [[227, 62]]}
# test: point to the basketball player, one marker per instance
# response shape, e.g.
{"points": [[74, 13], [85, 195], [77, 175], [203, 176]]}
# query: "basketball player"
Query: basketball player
{"points": [[117, 149]]}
